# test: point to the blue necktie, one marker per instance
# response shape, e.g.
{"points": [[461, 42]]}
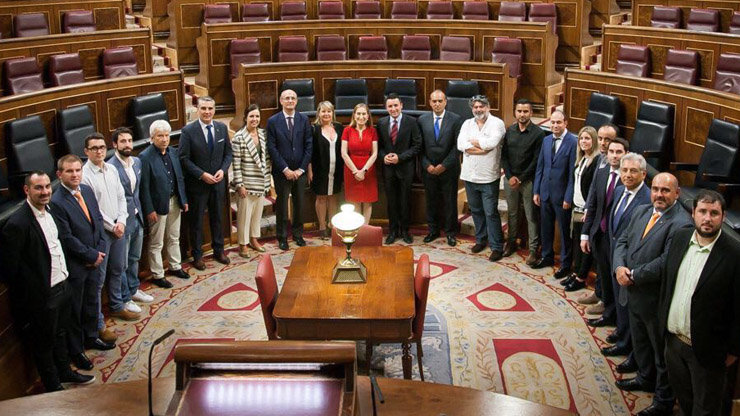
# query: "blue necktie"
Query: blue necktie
{"points": [[620, 209], [210, 137], [436, 127]]}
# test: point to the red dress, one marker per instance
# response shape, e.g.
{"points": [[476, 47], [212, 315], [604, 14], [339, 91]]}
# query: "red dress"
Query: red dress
{"points": [[359, 151]]}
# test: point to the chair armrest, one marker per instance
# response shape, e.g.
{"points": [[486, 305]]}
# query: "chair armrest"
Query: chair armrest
{"points": [[684, 166], [652, 153], [728, 188]]}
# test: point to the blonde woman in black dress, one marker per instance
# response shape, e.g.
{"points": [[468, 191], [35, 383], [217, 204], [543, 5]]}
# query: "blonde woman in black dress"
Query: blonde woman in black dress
{"points": [[326, 170]]}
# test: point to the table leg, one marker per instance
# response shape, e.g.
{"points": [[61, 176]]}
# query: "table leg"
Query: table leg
{"points": [[406, 360]]}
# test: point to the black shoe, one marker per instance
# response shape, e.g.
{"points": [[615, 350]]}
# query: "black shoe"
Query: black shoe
{"points": [[511, 248], [82, 362], [451, 241], [543, 263], [575, 285], [431, 237], [568, 280], [75, 378], [391, 238], [656, 410], [632, 384], [58, 387], [495, 256], [561, 273], [613, 337], [299, 241], [163, 283], [599, 322], [98, 344], [182, 274], [406, 237], [627, 366], [283, 244], [478, 247], [614, 351]]}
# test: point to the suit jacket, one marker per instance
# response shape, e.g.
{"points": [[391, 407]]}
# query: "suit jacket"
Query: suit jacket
{"points": [[196, 159], [133, 203], [155, 187], [286, 150], [443, 150], [596, 201], [715, 304], [641, 198], [554, 177], [408, 145], [646, 257]]}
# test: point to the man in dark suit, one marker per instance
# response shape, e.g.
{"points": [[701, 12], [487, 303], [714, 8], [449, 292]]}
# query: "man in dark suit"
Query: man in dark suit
{"points": [[399, 142], [205, 156], [290, 143], [638, 261], [81, 231], [36, 271], [699, 315], [440, 162], [553, 192]]}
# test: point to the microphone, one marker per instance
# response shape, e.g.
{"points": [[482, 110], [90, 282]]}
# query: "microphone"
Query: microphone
{"points": [[151, 350]]}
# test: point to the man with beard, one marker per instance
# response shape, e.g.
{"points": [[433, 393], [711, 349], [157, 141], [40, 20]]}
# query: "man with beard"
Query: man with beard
{"points": [[699, 314]]}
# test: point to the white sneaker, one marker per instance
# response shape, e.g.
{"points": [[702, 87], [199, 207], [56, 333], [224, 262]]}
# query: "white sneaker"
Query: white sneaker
{"points": [[140, 296], [132, 307]]}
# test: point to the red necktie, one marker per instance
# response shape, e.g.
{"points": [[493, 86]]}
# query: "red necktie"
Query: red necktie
{"points": [[394, 132]]}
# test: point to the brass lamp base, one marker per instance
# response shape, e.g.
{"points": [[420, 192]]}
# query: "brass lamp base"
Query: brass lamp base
{"points": [[349, 271]]}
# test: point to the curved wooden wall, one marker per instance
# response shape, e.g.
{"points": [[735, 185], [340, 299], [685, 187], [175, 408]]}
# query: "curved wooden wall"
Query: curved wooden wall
{"points": [[109, 14], [642, 10]]}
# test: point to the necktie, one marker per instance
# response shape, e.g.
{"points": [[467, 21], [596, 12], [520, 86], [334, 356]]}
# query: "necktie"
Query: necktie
{"points": [[651, 223], [290, 126], [609, 194], [83, 205], [210, 137], [620, 209], [555, 141], [394, 131], [436, 127]]}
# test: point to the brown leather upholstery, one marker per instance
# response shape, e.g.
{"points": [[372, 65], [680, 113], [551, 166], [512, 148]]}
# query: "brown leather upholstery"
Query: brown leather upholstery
{"points": [[367, 236], [293, 10], [633, 60], [703, 20], [727, 77], [30, 24], [367, 10], [512, 11], [440, 10], [119, 62], [475, 10], [372, 48], [78, 21], [735, 24], [416, 48], [65, 69], [22, 75], [455, 48], [509, 51], [331, 48], [331, 10], [267, 289], [681, 66], [404, 10], [666, 17], [216, 13], [256, 12], [292, 49], [544, 12], [243, 51], [422, 278]]}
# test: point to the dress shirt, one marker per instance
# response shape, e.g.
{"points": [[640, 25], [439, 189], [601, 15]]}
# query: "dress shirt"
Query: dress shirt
{"points": [[332, 162], [128, 167], [629, 194], [59, 271], [559, 141], [679, 314], [108, 191], [609, 179], [170, 171], [481, 168], [204, 128], [398, 125]]}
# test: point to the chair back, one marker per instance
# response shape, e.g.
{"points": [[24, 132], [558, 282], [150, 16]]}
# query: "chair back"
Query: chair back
{"points": [[65, 69], [293, 10], [666, 17], [404, 10], [681, 66], [304, 91], [633, 60], [243, 51], [509, 51], [455, 48], [421, 293], [405, 89], [75, 124], [703, 20], [119, 62], [22, 75], [331, 10], [544, 12], [735, 24], [292, 49], [331, 48], [367, 236], [217, 13], [78, 21], [727, 75], [440, 10], [267, 289], [416, 48], [255, 12], [512, 11], [349, 92], [29, 146], [475, 10], [603, 109], [720, 155], [145, 109], [458, 97], [367, 10], [372, 48], [30, 24], [653, 132]]}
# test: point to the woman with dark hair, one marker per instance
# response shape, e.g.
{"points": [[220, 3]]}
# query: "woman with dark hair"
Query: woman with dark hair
{"points": [[251, 179], [326, 170], [359, 151]]}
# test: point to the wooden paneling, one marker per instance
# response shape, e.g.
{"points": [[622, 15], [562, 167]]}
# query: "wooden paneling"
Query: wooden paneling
{"points": [[708, 45], [538, 64], [109, 14], [156, 11], [642, 10], [601, 11], [90, 46]]}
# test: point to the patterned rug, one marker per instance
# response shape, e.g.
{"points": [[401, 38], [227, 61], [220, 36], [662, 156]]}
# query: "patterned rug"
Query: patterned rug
{"points": [[500, 327]]}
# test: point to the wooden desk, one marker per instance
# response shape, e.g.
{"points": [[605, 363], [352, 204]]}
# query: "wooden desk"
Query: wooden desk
{"points": [[642, 10], [109, 14], [310, 307]]}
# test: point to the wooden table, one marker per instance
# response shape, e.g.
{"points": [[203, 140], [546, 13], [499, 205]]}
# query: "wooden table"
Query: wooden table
{"points": [[310, 307]]}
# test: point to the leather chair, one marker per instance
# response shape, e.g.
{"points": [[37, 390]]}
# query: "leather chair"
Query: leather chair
{"points": [[331, 48], [65, 69], [256, 12], [703, 20], [29, 148], [666, 17], [367, 236], [544, 12], [440, 10], [293, 10], [509, 51], [243, 51], [458, 97], [30, 24], [292, 49], [416, 48], [348, 93], [217, 13], [331, 10], [404, 10], [512, 11], [603, 109], [475, 10], [633, 60], [8, 202], [372, 48], [367, 10], [727, 77], [119, 62], [406, 91], [75, 124], [78, 21], [267, 289], [144, 110], [653, 133], [305, 93], [455, 48], [22, 75], [735, 24], [681, 66]]}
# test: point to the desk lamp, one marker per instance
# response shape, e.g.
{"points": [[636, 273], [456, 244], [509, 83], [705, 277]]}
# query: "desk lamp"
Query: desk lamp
{"points": [[347, 223]]}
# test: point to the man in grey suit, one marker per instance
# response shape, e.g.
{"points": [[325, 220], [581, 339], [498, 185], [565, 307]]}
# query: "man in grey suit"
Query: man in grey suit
{"points": [[440, 162], [638, 261]]}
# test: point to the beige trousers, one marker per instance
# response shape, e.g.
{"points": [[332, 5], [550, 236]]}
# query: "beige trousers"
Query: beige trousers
{"points": [[166, 229], [248, 217]]}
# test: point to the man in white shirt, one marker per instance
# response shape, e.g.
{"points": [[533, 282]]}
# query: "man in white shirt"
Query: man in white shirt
{"points": [[480, 140]]}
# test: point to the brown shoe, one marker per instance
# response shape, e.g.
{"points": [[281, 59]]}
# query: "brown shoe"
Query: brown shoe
{"points": [[596, 309], [126, 315], [221, 258], [510, 249], [199, 264], [254, 245], [243, 252], [532, 259], [107, 335], [587, 299]]}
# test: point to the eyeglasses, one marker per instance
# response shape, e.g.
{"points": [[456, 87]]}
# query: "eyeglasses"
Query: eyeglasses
{"points": [[97, 148]]}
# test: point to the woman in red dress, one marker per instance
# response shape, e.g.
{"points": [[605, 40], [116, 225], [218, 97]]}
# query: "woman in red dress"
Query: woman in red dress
{"points": [[359, 151]]}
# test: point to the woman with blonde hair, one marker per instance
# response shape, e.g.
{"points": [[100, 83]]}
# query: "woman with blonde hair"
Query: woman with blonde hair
{"points": [[326, 170], [359, 151]]}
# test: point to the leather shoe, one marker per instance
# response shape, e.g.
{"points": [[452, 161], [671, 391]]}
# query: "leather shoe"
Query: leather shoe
{"points": [[613, 337], [614, 350], [478, 247], [543, 263], [431, 237], [283, 244], [406, 237], [510, 249], [627, 366], [199, 264], [656, 410], [561, 273], [82, 362], [58, 387], [568, 280], [107, 335], [221, 258], [163, 283], [599, 322], [391, 238], [182, 274], [575, 285], [532, 259], [451, 241], [75, 378], [98, 344], [495, 256], [299, 241], [632, 384]]}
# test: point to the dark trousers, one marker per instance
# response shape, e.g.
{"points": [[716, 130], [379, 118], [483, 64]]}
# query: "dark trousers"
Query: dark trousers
{"points": [[602, 253], [581, 261], [83, 319], [284, 189], [398, 192], [213, 200], [551, 213], [47, 335], [622, 313], [441, 201], [649, 348]]}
